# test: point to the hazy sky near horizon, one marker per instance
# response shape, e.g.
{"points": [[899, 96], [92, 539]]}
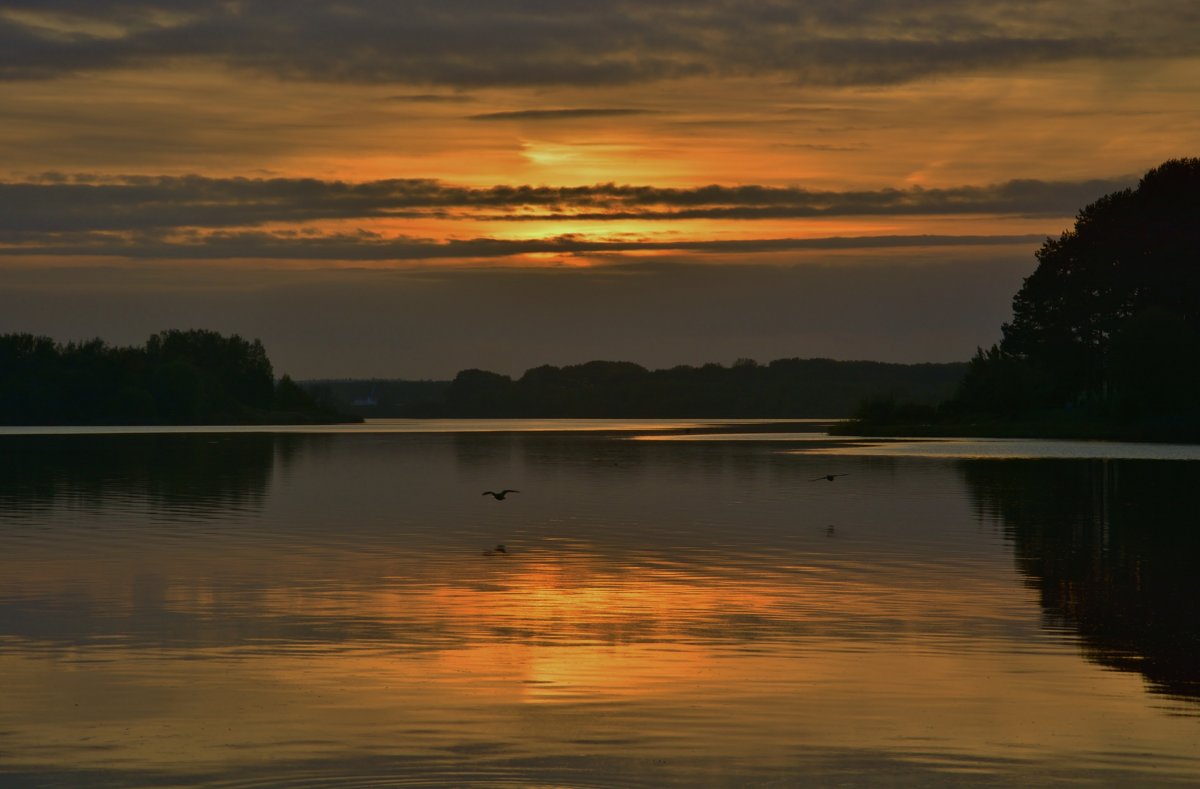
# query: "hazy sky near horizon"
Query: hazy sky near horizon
{"points": [[406, 190]]}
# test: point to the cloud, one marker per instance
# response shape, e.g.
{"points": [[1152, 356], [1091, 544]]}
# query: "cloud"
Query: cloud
{"points": [[59, 203], [366, 246], [478, 43], [430, 98], [556, 115], [809, 146]]}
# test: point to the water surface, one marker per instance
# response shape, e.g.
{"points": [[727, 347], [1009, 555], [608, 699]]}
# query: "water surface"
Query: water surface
{"points": [[305, 608]]}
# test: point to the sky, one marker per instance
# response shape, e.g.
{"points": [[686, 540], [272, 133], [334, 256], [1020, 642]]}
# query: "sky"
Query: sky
{"points": [[380, 189]]}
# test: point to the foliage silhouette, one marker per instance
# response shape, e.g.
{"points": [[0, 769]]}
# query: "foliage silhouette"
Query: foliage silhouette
{"points": [[597, 389], [179, 377], [1120, 289], [1105, 334]]}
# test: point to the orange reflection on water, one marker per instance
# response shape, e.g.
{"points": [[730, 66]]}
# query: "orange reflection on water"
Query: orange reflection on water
{"points": [[549, 653]]}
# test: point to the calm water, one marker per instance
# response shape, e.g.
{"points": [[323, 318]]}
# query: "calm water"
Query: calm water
{"points": [[315, 608]]}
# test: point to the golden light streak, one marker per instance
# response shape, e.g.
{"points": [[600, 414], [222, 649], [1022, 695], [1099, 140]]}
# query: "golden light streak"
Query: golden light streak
{"points": [[512, 653]]}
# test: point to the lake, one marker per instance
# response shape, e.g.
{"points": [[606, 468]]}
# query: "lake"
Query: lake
{"points": [[677, 604]]}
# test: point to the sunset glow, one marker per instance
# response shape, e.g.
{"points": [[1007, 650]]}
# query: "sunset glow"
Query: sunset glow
{"points": [[636, 393], [499, 137]]}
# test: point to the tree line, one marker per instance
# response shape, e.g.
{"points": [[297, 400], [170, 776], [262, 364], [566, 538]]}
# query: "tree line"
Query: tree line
{"points": [[177, 377], [794, 388]]}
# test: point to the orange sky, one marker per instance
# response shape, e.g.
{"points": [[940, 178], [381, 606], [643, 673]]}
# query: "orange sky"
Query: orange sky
{"points": [[989, 120]]}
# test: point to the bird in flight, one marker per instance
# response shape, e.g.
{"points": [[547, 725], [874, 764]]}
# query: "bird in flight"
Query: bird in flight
{"points": [[826, 477], [499, 496], [497, 549]]}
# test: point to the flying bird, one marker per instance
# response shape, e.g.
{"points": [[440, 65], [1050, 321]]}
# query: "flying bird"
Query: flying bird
{"points": [[499, 496], [497, 549], [827, 477]]}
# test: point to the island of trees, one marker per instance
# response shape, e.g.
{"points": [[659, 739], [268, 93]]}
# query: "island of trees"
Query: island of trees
{"points": [[178, 377], [1104, 339]]}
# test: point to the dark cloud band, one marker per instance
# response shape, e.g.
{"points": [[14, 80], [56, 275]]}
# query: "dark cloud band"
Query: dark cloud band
{"points": [[80, 203], [478, 43], [557, 115], [371, 247]]}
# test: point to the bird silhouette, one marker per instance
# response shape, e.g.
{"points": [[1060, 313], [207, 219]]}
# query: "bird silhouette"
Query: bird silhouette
{"points": [[826, 477], [496, 550], [499, 496]]}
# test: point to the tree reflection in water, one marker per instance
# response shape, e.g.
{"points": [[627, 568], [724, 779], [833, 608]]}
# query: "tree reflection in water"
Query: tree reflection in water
{"points": [[1111, 547], [196, 472]]}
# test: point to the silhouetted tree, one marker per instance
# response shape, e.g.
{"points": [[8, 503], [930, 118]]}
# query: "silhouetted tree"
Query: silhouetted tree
{"points": [[1130, 253], [179, 377], [480, 393], [1153, 364], [1000, 384], [232, 371], [289, 396]]}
